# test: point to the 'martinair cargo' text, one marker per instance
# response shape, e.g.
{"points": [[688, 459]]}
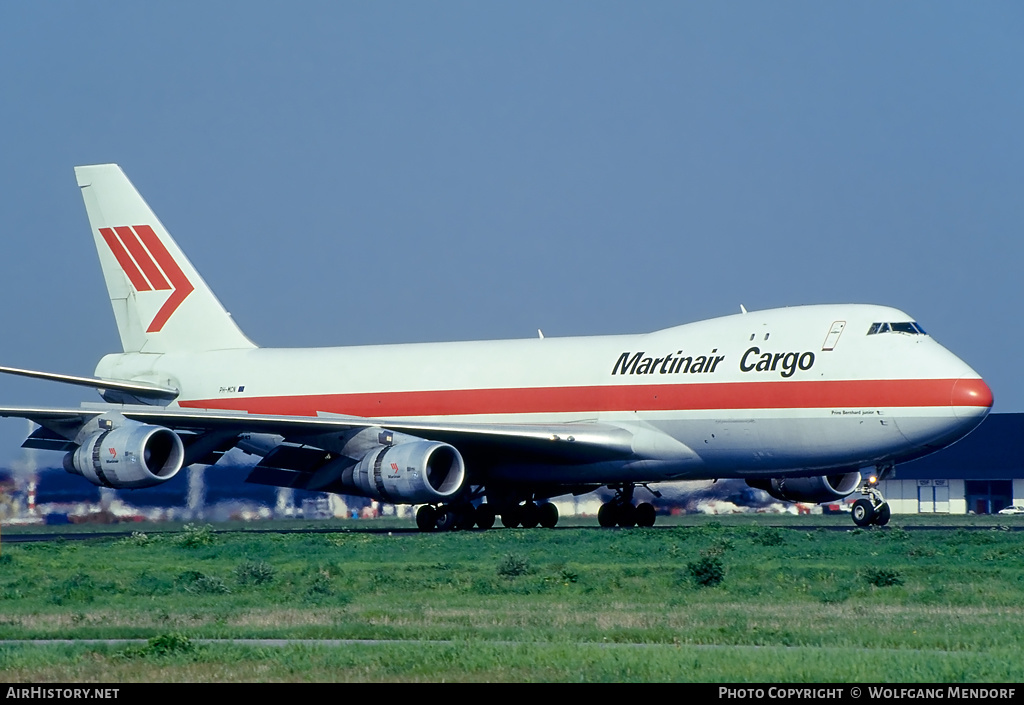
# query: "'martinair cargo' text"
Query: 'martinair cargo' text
{"points": [[753, 360]]}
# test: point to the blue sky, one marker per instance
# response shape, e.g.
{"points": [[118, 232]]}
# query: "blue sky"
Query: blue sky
{"points": [[373, 172]]}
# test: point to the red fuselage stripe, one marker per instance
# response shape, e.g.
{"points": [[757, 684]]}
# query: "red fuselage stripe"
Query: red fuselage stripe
{"points": [[788, 394]]}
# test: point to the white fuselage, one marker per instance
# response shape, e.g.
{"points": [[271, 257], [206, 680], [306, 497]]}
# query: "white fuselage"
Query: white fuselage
{"points": [[803, 388]]}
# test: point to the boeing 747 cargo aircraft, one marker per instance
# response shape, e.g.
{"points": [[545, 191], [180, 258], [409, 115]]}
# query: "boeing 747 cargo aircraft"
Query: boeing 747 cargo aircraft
{"points": [[796, 401]]}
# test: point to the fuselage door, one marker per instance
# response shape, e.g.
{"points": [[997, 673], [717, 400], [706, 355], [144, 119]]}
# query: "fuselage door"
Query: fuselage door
{"points": [[833, 336]]}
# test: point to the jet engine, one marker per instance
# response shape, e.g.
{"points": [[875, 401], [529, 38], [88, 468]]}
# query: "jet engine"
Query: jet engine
{"points": [[131, 456], [826, 488], [416, 472]]}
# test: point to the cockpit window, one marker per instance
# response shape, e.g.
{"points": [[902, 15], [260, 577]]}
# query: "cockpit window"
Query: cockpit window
{"points": [[905, 327]]}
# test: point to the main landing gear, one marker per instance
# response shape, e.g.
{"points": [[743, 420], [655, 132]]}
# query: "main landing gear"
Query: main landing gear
{"points": [[874, 509], [513, 512], [462, 517], [621, 512], [449, 517], [530, 515]]}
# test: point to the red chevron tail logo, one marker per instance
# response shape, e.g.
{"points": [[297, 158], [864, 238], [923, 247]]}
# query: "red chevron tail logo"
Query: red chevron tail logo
{"points": [[149, 267]]}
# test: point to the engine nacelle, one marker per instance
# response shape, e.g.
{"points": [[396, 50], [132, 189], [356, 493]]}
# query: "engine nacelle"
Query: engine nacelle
{"points": [[826, 488], [417, 472], [132, 456]]}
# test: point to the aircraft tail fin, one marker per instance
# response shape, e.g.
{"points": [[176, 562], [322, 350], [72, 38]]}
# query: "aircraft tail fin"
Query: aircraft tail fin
{"points": [[160, 302]]}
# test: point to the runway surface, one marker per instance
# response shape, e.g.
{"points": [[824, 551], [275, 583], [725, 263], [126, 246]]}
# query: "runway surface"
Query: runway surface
{"points": [[17, 535]]}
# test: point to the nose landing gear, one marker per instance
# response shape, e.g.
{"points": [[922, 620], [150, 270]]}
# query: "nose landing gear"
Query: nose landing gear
{"points": [[874, 509]]}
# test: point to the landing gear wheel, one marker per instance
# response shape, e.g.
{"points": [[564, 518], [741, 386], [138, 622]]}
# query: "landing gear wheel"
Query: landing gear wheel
{"points": [[863, 512], [645, 515], [529, 515], [606, 515], [426, 518], [467, 518], [548, 515], [485, 516], [625, 516], [510, 517], [447, 518], [882, 515]]}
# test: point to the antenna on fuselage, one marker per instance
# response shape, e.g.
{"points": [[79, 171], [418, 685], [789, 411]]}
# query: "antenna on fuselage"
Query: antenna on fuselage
{"points": [[742, 309]]}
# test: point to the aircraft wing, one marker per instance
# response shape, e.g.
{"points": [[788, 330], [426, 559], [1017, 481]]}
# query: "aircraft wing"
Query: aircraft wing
{"points": [[575, 442]]}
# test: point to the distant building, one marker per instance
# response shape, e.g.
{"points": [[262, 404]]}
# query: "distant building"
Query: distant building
{"points": [[223, 495], [981, 474]]}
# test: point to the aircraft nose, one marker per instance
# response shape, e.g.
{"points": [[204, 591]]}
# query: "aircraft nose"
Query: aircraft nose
{"points": [[971, 398]]}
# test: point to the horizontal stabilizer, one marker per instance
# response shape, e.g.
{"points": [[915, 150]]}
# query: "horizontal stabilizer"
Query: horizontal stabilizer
{"points": [[114, 391]]}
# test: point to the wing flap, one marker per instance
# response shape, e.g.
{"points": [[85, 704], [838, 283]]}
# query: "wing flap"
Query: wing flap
{"points": [[45, 439], [295, 458]]}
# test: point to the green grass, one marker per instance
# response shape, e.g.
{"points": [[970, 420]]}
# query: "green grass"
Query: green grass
{"points": [[478, 662], [781, 605]]}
